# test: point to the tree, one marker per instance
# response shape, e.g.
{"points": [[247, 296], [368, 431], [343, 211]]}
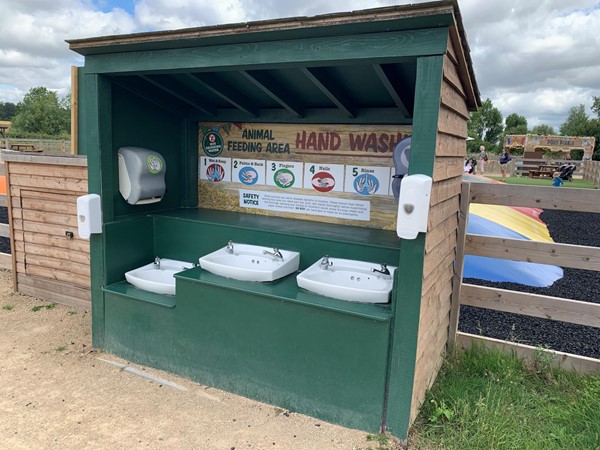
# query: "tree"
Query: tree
{"points": [[7, 110], [543, 129], [515, 124], [577, 122], [596, 106], [42, 112], [485, 127]]}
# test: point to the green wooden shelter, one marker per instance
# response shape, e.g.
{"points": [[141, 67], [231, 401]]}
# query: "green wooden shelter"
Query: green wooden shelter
{"points": [[361, 365]]}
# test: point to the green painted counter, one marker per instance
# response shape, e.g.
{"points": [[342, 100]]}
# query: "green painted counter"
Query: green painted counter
{"points": [[271, 342]]}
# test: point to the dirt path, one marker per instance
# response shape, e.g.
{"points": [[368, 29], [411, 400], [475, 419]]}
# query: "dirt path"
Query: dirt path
{"points": [[55, 393]]}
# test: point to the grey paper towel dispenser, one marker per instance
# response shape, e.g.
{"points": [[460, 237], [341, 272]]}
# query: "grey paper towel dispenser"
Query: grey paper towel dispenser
{"points": [[141, 175]]}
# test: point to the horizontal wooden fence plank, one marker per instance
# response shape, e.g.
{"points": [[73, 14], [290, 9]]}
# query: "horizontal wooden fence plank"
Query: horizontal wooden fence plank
{"points": [[585, 200], [54, 291], [564, 255], [567, 361], [58, 184], [554, 308], [48, 170], [80, 245], [59, 275], [66, 220], [3, 201], [58, 253]]}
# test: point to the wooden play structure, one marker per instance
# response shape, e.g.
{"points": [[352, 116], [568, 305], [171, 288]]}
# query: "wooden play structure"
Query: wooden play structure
{"points": [[541, 143]]}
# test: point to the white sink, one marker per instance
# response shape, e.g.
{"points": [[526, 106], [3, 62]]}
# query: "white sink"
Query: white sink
{"points": [[250, 262], [157, 279], [347, 279]]}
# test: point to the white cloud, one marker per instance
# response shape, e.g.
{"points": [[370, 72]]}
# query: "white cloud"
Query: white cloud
{"points": [[535, 58]]}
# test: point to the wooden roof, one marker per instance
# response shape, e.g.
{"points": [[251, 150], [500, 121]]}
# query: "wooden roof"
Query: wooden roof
{"points": [[352, 60]]}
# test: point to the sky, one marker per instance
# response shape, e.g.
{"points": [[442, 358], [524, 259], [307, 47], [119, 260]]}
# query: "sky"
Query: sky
{"points": [[536, 58]]}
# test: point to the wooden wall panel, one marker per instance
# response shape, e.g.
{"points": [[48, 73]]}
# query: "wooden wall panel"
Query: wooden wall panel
{"points": [[49, 264], [441, 239]]}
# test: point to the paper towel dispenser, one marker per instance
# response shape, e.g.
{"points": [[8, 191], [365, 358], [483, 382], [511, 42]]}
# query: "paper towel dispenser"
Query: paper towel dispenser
{"points": [[141, 175]]}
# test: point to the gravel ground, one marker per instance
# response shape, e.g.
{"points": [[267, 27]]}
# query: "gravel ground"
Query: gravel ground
{"points": [[568, 228]]}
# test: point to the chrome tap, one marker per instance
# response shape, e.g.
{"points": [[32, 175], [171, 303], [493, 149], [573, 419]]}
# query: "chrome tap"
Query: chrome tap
{"points": [[157, 263], [229, 247], [275, 254], [325, 263], [384, 270]]}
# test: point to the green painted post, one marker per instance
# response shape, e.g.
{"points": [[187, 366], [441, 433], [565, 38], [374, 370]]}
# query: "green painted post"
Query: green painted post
{"points": [[96, 136], [407, 300]]}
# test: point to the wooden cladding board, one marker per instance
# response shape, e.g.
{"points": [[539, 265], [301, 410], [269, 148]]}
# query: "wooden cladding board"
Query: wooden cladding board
{"points": [[51, 262], [325, 173], [441, 239]]}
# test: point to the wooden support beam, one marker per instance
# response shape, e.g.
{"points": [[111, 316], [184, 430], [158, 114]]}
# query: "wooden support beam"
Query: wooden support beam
{"points": [[74, 109], [387, 82], [221, 89], [275, 90], [463, 222], [330, 88], [151, 97], [170, 86]]}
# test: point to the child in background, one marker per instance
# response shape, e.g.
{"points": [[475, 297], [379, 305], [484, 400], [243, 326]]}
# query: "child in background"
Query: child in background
{"points": [[557, 180]]}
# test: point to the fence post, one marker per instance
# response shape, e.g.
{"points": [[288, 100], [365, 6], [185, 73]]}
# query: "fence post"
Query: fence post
{"points": [[463, 219]]}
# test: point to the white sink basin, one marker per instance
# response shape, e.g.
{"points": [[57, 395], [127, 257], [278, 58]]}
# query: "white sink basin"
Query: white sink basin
{"points": [[159, 280], [347, 279], [250, 262]]}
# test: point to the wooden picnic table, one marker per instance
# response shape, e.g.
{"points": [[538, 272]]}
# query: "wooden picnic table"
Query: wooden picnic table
{"points": [[543, 171]]}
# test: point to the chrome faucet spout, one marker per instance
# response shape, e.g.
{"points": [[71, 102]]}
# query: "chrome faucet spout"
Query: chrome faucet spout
{"points": [[325, 263], [384, 270], [157, 263], [275, 254], [229, 247]]}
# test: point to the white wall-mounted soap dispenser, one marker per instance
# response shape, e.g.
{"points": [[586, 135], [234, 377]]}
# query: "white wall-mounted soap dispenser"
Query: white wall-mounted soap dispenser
{"points": [[141, 175], [89, 215], [413, 206]]}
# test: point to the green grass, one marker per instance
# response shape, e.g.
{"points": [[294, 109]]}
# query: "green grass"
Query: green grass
{"points": [[579, 184], [491, 401]]}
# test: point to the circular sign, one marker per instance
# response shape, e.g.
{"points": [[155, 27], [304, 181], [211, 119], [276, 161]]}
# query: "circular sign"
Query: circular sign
{"points": [[366, 184], [323, 181], [215, 173], [212, 144], [154, 163], [284, 178], [248, 176]]}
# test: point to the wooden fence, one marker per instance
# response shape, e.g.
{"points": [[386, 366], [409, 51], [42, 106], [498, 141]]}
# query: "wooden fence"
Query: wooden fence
{"points": [[564, 255], [5, 258], [591, 172], [36, 144]]}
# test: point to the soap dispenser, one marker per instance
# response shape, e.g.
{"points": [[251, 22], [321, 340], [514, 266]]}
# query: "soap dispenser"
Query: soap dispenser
{"points": [[141, 175]]}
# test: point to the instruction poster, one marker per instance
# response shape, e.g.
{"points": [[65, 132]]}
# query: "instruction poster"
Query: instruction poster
{"points": [[321, 172]]}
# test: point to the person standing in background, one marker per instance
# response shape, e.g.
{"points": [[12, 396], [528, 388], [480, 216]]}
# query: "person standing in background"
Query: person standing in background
{"points": [[483, 157], [504, 159]]}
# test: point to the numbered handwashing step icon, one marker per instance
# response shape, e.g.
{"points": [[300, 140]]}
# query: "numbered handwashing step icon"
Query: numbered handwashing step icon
{"points": [[215, 170], [323, 177], [365, 180], [284, 175], [248, 172]]}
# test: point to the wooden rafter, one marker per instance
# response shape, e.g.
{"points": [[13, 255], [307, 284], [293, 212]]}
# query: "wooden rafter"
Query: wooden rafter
{"points": [[330, 88]]}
